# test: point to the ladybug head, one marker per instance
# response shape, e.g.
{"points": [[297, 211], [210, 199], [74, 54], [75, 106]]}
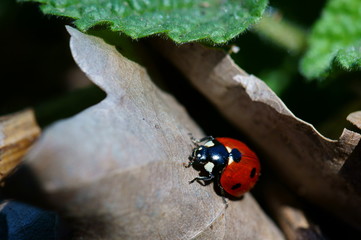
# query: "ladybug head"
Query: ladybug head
{"points": [[199, 157], [211, 152]]}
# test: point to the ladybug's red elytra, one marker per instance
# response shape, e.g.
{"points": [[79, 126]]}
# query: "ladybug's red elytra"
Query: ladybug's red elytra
{"points": [[230, 163]]}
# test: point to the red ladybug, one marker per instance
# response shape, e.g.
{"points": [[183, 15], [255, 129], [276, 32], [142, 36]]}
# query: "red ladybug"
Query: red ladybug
{"points": [[230, 163]]}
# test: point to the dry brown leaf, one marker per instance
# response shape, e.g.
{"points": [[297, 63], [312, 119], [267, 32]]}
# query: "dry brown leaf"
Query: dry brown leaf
{"points": [[355, 118], [18, 132], [116, 169], [307, 161]]}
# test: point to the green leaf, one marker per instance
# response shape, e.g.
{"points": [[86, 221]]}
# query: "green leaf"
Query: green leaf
{"points": [[335, 37], [350, 57], [181, 20]]}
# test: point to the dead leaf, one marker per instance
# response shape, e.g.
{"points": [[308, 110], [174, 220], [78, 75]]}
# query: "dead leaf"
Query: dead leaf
{"points": [[307, 161], [116, 169], [18, 132], [355, 118]]}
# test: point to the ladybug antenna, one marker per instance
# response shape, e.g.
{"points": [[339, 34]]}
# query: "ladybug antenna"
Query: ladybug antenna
{"points": [[193, 139], [204, 139]]}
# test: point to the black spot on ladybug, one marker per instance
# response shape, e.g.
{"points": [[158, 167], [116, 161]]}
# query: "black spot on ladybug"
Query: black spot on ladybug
{"points": [[253, 173], [236, 155], [235, 186]]}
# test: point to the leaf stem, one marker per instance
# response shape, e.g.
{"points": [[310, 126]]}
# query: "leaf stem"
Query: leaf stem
{"points": [[282, 32]]}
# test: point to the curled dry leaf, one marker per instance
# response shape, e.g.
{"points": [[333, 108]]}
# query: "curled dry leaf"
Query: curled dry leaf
{"points": [[355, 118], [116, 169], [307, 161], [18, 132], [352, 167]]}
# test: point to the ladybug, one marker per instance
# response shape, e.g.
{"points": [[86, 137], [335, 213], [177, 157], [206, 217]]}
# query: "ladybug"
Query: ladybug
{"points": [[228, 162]]}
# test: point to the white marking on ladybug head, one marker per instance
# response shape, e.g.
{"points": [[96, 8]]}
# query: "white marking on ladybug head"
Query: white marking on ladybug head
{"points": [[229, 149], [209, 144], [199, 155], [209, 166]]}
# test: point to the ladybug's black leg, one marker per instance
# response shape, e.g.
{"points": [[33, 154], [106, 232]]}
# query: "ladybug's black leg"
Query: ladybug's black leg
{"points": [[203, 178], [223, 197], [223, 194], [190, 163]]}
